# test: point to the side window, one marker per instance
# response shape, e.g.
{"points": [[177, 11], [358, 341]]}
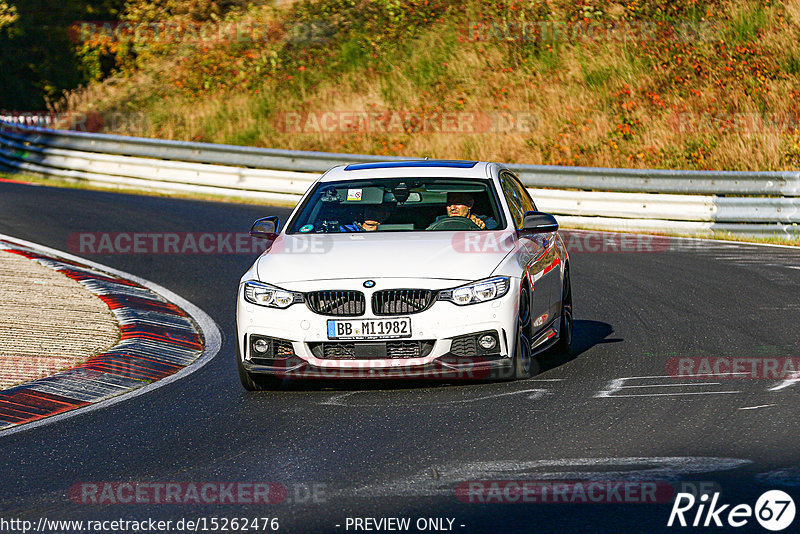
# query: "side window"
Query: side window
{"points": [[525, 197], [511, 192]]}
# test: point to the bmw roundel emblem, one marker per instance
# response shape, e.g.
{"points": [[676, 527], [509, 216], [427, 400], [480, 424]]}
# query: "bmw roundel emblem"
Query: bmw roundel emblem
{"points": [[369, 283]]}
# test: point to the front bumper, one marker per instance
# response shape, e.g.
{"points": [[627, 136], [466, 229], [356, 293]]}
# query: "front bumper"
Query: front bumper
{"points": [[441, 368], [438, 325]]}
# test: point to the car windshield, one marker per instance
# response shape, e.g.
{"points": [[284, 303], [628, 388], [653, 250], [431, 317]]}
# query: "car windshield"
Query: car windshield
{"points": [[399, 205]]}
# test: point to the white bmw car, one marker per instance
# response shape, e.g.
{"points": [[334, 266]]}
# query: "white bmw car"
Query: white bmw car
{"points": [[418, 269]]}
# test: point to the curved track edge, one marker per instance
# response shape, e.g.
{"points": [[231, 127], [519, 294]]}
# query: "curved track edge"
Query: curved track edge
{"points": [[163, 338]]}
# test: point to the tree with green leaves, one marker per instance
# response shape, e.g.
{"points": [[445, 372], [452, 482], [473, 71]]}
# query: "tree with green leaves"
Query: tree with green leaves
{"points": [[38, 58]]}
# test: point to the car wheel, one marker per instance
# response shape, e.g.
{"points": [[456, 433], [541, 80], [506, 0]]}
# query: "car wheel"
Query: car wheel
{"points": [[564, 344], [522, 346], [254, 382]]}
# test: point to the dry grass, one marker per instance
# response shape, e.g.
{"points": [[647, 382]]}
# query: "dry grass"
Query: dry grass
{"points": [[603, 103]]}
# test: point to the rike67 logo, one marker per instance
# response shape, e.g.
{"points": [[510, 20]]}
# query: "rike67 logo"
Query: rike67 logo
{"points": [[774, 510]]}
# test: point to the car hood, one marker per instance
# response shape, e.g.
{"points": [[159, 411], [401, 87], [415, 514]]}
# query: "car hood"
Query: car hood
{"points": [[461, 256]]}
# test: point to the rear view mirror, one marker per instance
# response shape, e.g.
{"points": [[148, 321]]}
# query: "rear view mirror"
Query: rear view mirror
{"points": [[265, 228], [538, 222]]}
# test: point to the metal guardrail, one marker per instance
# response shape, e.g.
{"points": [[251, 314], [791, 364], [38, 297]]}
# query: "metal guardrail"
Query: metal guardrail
{"points": [[628, 199], [784, 183]]}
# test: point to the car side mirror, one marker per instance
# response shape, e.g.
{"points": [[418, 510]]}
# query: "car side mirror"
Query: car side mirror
{"points": [[265, 228], [537, 222]]}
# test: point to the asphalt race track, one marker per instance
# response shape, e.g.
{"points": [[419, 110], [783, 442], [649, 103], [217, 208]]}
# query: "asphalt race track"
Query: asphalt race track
{"points": [[397, 449]]}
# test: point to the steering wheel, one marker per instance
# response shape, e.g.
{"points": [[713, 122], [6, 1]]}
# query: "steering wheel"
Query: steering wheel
{"points": [[454, 223]]}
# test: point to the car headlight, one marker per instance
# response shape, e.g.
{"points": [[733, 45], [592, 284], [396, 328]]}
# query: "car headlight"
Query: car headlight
{"points": [[270, 296], [481, 291]]}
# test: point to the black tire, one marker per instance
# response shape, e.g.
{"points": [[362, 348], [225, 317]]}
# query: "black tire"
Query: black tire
{"points": [[522, 361], [564, 344], [252, 381]]}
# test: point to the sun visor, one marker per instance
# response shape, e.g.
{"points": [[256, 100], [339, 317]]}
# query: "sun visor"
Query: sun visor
{"points": [[360, 195]]}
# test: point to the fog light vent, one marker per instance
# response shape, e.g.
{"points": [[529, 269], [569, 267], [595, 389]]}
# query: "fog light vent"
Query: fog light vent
{"points": [[475, 345], [270, 348]]}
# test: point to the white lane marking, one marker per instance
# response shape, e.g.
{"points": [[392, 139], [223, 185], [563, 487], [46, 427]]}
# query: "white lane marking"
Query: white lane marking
{"points": [[784, 384], [341, 398], [672, 385], [618, 384], [210, 331], [545, 379], [672, 394], [615, 385], [757, 407]]}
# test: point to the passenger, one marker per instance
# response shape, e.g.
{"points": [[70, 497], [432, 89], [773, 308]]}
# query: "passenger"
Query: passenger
{"points": [[374, 215]]}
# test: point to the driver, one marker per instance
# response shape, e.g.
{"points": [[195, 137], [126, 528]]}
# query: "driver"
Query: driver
{"points": [[460, 205]]}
